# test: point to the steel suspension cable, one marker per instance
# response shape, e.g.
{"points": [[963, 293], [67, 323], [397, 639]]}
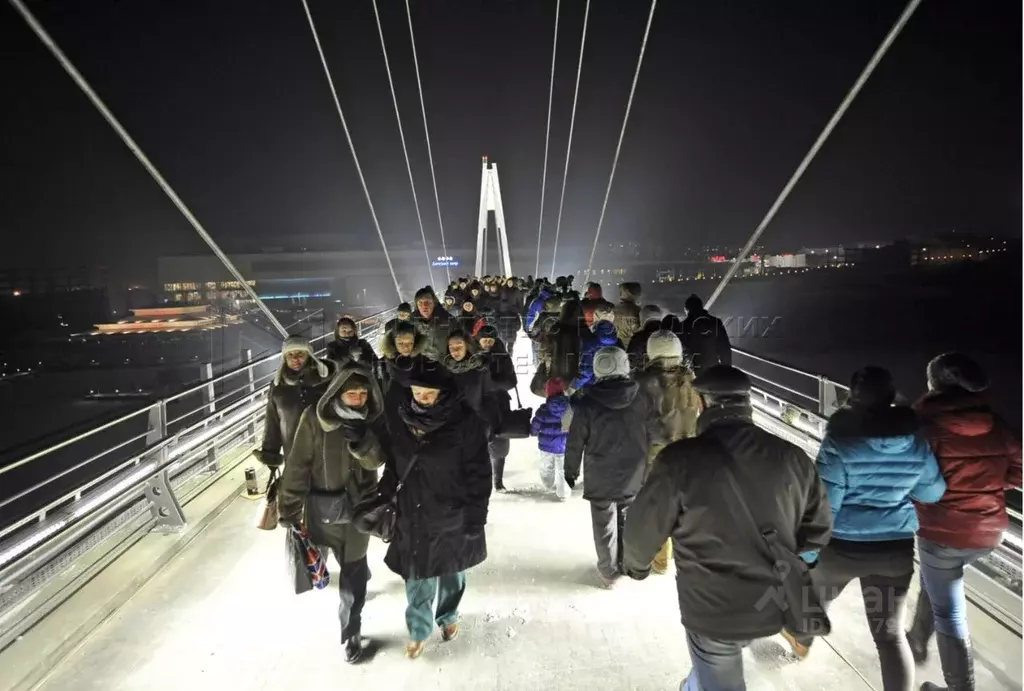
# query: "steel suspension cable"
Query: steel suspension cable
{"points": [[572, 126], [351, 145], [880, 52], [622, 134], [401, 135], [426, 132], [115, 124], [547, 136]]}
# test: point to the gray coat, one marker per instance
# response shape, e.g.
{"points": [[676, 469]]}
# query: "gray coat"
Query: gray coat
{"points": [[285, 403]]}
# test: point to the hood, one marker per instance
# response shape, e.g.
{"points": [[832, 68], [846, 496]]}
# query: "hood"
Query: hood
{"points": [[387, 345], [960, 412], [347, 320], [557, 405], [614, 393], [438, 306], [329, 420]]}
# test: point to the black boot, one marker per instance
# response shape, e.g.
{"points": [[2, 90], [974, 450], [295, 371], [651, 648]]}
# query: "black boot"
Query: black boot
{"points": [[957, 665], [922, 628], [354, 649], [498, 470]]}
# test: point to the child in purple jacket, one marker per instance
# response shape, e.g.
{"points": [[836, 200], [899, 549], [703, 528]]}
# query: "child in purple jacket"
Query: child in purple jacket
{"points": [[551, 433]]}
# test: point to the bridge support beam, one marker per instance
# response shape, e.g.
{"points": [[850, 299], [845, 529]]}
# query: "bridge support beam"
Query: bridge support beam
{"points": [[164, 505], [490, 200]]}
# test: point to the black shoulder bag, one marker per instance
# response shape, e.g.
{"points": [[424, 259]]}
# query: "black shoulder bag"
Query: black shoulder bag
{"points": [[515, 424], [804, 616], [380, 519]]}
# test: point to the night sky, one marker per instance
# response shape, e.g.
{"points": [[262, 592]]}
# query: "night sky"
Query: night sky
{"points": [[230, 101]]}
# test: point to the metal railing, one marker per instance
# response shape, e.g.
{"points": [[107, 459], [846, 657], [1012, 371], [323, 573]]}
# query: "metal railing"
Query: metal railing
{"points": [[133, 457]]}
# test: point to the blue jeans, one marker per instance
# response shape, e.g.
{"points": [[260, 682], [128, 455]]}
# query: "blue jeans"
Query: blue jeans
{"points": [[942, 575], [420, 594], [717, 664]]}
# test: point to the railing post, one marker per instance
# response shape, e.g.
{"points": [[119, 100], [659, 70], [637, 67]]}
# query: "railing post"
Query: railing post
{"points": [[209, 397], [164, 506], [156, 428], [250, 429], [828, 397]]}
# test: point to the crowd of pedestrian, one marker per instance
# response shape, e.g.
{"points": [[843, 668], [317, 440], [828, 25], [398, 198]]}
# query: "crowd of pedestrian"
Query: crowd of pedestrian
{"points": [[644, 410]]}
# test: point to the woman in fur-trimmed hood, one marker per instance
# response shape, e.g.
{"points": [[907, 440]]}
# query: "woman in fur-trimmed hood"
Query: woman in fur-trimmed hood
{"points": [[299, 382], [348, 347], [338, 447], [469, 369]]}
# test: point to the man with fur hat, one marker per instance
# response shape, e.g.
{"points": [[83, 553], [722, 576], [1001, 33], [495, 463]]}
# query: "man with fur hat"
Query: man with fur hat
{"points": [[340, 443], [348, 347], [434, 322], [299, 383], [667, 382], [608, 434], [722, 570]]}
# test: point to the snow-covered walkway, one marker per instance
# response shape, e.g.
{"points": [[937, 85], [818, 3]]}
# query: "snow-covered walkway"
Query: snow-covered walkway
{"points": [[222, 616]]}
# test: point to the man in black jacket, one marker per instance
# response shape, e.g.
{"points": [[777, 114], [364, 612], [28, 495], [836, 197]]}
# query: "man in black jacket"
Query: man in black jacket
{"points": [[704, 337], [729, 591], [609, 434]]}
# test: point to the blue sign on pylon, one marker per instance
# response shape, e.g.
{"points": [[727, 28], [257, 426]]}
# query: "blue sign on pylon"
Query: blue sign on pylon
{"points": [[450, 262]]}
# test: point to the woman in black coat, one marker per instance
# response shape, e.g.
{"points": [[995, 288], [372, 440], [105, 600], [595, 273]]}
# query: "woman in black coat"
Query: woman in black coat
{"points": [[439, 450], [496, 401], [470, 373]]}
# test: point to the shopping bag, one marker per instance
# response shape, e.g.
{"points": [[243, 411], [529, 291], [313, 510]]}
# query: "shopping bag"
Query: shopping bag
{"points": [[305, 562], [268, 516]]}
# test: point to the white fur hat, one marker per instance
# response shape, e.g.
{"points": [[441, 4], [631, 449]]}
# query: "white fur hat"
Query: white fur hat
{"points": [[611, 362], [664, 344], [300, 344]]}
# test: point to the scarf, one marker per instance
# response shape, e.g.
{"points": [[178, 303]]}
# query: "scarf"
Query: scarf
{"points": [[422, 421], [346, 413], [466, 364]]}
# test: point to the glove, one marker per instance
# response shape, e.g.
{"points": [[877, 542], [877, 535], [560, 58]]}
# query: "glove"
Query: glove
{"points": [[474, 531], [571, 481], [353, 432], [290, 524], [268, 458]]}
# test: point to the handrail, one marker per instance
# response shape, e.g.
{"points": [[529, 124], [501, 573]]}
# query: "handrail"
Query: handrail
{"points": [[163, 402]]}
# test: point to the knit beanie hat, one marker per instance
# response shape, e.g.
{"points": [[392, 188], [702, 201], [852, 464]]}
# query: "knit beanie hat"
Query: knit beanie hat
{"points": [[346, 320], [872, 387], [356, 381], [722, 381], [425, 292], [650, 313], [664, 344], [405, 307], [956, 370], [611, 362], [487, 331]]}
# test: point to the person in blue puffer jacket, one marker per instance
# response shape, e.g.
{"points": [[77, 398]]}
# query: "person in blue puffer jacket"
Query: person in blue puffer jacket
{"points": [[551, 428], [602, 335], [874, 464]]}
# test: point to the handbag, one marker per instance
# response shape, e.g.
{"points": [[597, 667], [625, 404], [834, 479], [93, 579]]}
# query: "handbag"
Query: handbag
{"points": [[268, 515], [515, 424], [380, 519], [329, 508], [802, 611]]}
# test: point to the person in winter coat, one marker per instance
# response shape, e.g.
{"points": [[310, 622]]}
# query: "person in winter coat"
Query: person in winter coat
{"points": [[561, 346], [667, 382], [510, 306], [874, 465], [338, 447], [400, 349], [551, 433], [980, 458], [722, 572], [299, 383], [650, 322], [627, 312], [601, 335], [496, 400], [348, 347], [468, 369], [538, 305], [439, 454], [705, 339], [433, 322], [468, 318], [608, 433]]}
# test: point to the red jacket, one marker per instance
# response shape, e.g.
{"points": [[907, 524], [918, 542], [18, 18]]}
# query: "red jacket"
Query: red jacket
{"points": [[980, 458]]}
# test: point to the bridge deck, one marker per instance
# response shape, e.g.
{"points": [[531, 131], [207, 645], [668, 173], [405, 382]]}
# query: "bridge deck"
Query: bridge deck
{"points": [[221, 615]]}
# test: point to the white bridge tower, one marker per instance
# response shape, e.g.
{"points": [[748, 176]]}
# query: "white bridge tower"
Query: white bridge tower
{"points": [[490, 200]]}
